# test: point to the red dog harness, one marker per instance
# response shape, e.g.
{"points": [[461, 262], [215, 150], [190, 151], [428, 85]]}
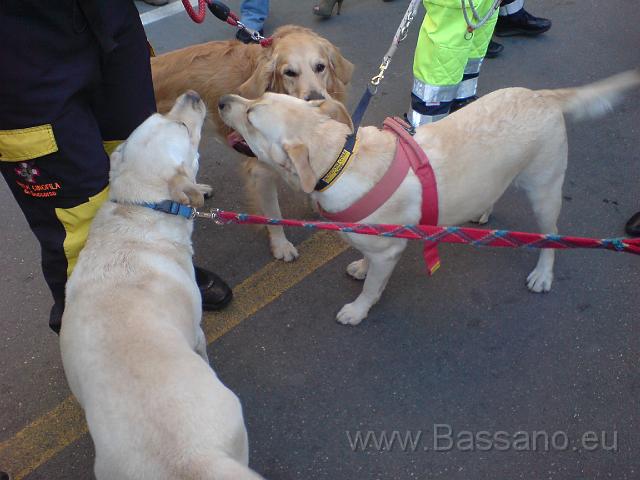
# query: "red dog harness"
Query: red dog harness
{"points": [[408, 155]]}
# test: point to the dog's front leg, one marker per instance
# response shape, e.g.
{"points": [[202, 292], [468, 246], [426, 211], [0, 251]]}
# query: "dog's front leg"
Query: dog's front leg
{"points": [[380, 267], [264, 188]]}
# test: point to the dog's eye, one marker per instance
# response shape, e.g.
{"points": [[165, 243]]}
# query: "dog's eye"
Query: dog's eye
{"points": [[290, 73], [320, 68]]}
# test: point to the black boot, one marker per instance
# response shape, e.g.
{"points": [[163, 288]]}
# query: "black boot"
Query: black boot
{"points": [[216, 294], [633, 226], [55, 320], [521, 23], [493, 50], [4, 476]]}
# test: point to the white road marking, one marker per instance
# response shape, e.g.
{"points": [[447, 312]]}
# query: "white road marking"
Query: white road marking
{"points": [[164, 12]]}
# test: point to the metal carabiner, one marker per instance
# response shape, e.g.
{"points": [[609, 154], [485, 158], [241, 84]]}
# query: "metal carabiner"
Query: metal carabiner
{"points": [[212, 214], [375, 80]]}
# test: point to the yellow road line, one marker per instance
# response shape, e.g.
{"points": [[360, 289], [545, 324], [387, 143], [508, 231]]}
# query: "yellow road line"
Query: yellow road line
{"points": [[42, 439], [268, 283], [48, 435]]}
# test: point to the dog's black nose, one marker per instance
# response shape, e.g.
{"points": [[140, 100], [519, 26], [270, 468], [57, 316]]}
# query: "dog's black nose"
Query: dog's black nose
{"points": [[313, 95]]}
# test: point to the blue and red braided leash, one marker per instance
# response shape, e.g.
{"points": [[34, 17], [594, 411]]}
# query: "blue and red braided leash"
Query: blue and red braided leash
{"points": [[428, 233]]}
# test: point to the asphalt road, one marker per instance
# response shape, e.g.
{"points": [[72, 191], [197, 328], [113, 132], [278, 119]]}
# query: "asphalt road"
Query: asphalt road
{"points": [[467, 352]]}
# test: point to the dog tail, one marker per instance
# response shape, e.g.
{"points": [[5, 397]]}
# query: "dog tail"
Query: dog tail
{"points": [[596, 99]]}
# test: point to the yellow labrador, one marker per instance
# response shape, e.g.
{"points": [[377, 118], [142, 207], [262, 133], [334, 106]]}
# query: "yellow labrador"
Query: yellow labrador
{"points": [[132, 347], [473, 152]]}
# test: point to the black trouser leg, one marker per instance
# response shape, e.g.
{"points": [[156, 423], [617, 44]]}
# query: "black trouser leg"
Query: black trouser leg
{"points": [[59, 78]]}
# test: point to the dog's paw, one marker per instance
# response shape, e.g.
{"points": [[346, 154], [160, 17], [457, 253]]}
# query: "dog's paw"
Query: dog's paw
{"points": [[484, 218], [539, 280], [284, 250], [358, 269], [351, 314]]}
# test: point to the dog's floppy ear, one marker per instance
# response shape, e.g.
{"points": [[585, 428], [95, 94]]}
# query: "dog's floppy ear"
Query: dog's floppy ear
{"points": [[260, 80], [335, 110], [299, 155], [342, 67], [341, 71], [183, 190]]}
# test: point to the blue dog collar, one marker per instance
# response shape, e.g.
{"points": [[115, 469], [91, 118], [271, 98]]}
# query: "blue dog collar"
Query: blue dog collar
{"points": [[172, 208]]}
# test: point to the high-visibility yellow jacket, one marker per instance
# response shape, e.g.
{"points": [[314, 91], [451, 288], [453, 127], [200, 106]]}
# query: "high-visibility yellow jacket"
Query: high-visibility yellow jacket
{"points": [[445, 44]]}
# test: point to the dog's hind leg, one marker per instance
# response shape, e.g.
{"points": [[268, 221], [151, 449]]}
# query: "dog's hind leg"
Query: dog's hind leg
{"points": [[546, 202], [264, 191], [381, 264]]}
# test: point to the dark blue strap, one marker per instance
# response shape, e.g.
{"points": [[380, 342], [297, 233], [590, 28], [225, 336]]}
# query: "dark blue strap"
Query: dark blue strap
{"points": [[358, 113], [356, 118], [350, 142]]}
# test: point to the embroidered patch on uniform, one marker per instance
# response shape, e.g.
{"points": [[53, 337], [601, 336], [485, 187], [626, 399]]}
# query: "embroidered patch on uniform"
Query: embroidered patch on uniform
{"points": [[29, 186], [27, 172]]}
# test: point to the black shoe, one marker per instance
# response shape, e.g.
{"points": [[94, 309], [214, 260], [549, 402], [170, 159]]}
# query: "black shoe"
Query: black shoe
{"points": [[459, 103], [4, 476], [494, 49], [216, 294], [55, 322], [633, 226], [245, 37], [521, 23]]}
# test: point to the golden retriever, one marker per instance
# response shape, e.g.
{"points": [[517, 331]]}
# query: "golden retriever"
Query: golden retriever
{"points": [[298, 62], [473, 152], [132, 347]]}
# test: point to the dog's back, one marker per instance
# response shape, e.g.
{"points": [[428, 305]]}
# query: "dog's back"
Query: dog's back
{"points": [[212, 69], [151, 402]]}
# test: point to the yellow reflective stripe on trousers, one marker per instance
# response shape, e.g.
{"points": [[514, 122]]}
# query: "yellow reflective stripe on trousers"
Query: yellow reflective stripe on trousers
{"points": [[111, 145], [76, 222], [27, 143]]}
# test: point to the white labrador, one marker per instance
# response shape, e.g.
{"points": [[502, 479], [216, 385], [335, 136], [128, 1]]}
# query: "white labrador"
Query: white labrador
{"points": [[132, 346], [511, 135]]}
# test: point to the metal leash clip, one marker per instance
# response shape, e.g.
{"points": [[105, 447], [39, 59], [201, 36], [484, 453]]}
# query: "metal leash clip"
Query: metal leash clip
{"points": [[375, 81], [211, 214], [255, 35], [224, 13]]}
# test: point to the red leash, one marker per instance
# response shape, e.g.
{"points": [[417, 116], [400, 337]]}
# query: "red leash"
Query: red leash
{"points": [[202, 10], [224, 13], [428, 233]]}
